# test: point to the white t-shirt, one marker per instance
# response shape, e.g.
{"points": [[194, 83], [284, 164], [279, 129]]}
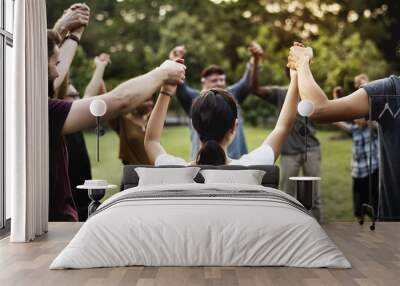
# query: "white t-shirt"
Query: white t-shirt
{"points": [[263, 155]]}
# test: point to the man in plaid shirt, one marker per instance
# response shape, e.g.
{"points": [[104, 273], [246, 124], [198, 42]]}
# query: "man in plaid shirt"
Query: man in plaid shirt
{"points": [[361, 149], [360, 165]]}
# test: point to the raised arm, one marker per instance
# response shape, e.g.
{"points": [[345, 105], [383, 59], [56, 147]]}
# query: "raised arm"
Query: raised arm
{"points": [[103, 88], [256, 58], [72, 24], [242, 88], [155, 126], [76, 16], [286, 118], [96, 83], [347, 108], [186, 95], [272, 94], [67, 53], [125, 97]]}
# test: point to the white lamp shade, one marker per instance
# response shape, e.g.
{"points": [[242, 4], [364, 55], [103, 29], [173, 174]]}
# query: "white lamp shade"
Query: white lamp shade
{"points": [[98, 107], [305, 108]]}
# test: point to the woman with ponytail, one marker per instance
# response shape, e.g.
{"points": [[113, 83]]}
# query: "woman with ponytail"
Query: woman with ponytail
{"points": [[215, 118]]}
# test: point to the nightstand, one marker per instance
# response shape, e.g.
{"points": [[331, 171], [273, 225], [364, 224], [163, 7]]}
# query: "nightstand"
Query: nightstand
{"points": [[96, 191]]}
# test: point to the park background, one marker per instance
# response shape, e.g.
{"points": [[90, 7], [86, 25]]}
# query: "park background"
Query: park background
{"points": [[348, 36]]}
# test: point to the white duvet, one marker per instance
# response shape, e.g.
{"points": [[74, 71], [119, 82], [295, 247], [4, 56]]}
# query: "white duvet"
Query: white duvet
{"points": [[202, 231]]}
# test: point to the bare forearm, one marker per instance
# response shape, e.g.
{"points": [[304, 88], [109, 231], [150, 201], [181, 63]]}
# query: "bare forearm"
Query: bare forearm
{"points": [[289, 109], [103, 88], [95, 84], [286, 119], [123, 99], [156, 121], [346, 108], [155, 126], [271, 94], [254, 80], [308, 88], [80, 118], [67, 53], [137, 90]]}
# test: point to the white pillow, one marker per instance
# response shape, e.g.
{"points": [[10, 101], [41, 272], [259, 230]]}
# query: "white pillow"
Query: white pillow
{"points": [[166, 176], [248, 177]]}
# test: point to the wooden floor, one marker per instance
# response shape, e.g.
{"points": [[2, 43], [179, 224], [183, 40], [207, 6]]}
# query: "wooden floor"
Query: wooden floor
{"points": [[375, 257]]}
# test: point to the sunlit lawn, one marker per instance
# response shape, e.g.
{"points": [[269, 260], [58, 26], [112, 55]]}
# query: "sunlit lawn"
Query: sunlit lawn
{"points": [[336, 171]]}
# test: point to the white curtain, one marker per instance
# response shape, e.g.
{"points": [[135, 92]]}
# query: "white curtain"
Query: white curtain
{"points": [[27, 124]]}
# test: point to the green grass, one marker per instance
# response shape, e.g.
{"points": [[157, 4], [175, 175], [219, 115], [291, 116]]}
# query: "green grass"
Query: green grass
{"points": [[336, 168]]}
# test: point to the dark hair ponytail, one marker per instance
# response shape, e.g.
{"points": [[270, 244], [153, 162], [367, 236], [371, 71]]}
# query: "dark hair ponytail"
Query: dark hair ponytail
{"points": [[211, 154], [213, 114]]}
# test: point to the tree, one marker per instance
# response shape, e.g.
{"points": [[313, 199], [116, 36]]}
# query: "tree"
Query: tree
{"points": [[349, 37], [338, 59], [203, 48]]}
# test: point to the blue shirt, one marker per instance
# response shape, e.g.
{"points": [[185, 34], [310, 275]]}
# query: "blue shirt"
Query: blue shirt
{"points": [[239, 90]]}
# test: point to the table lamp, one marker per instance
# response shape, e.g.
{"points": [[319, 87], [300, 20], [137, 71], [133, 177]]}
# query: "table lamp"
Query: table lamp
{"points": [[98, 108]]}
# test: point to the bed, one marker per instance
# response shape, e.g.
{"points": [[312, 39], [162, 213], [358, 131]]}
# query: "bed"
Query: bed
{"points": [[198, 224]]}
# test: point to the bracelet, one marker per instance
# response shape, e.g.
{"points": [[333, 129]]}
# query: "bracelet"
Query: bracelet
{"points": [[63, 34], [165, 93], [73, 38]]}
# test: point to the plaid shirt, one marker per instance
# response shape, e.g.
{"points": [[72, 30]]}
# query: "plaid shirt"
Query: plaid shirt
{"points": [[360, 162]]}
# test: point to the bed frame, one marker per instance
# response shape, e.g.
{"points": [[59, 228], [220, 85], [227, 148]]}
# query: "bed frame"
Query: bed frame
{"points": [[130, 178]]}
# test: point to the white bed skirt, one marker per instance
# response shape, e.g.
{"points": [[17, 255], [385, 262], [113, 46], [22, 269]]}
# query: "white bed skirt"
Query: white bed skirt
{"points": [[200, 232]]}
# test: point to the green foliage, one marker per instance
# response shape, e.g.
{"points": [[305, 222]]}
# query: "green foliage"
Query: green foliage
{"points": [[203, 48], [338, 59], [274, 59], [257, 111], [139, 35]]}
